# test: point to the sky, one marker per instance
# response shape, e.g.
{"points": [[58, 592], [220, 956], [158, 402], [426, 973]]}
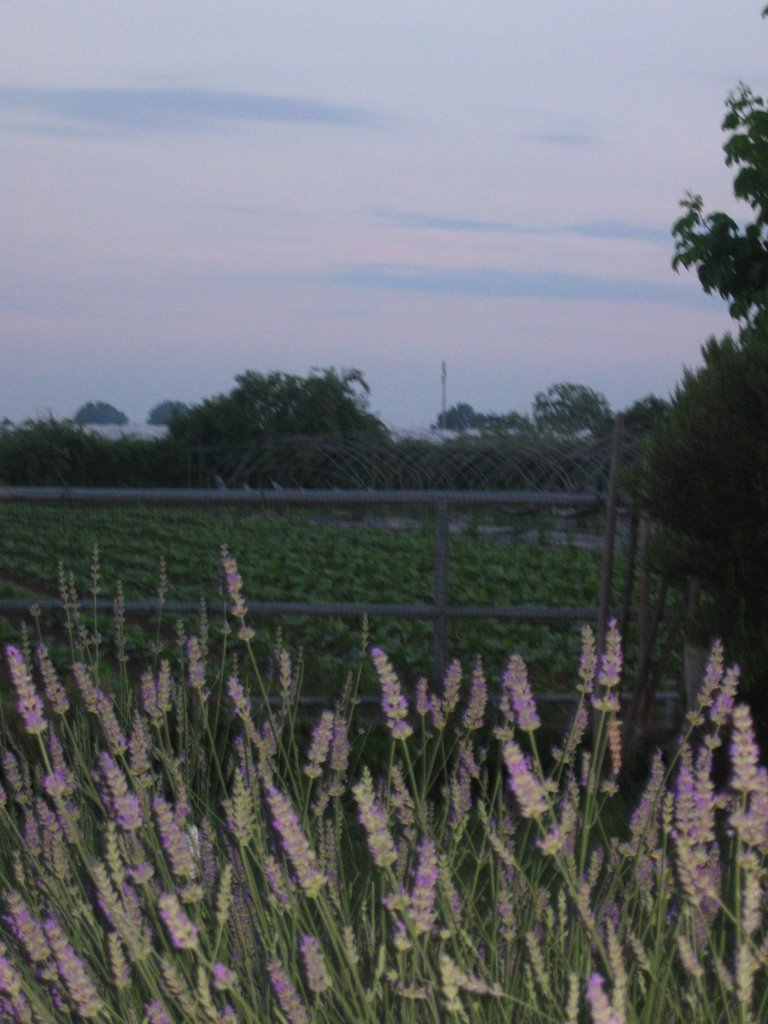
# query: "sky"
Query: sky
{"points": [[191, 190]]}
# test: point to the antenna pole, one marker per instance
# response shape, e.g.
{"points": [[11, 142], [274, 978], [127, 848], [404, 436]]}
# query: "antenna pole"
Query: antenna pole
{"points": [[442, 414]]}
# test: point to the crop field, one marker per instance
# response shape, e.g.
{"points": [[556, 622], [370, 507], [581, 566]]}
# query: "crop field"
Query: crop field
{"points": [[299, 556]]}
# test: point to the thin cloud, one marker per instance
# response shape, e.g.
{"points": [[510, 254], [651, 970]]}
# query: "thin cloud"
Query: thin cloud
{"points": [[609, 230], [510, 284], [569, 139], [622, 231], [426, 221], [179, 110]]}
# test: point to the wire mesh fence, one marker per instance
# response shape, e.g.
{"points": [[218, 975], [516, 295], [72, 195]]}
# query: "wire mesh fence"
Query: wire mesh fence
{"points": [[524, 462]]}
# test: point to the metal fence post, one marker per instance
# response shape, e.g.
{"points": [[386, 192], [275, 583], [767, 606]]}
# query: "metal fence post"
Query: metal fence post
{"points": [[440, 640], [612, 502]]}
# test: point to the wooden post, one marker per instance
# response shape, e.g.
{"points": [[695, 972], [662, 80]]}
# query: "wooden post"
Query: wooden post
{"points": [[629, 577]]}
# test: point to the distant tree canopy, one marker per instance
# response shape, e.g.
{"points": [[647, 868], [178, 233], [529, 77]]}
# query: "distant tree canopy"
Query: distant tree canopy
{"points": [[571, 409], [565, 410], [163, 412], [645, 415], [99, 413], [265, 406], [463, 417]]}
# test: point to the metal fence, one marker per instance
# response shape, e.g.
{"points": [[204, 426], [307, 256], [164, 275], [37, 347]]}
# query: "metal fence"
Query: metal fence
{"points": [[582, 518], [445, 507], [523, 461]]}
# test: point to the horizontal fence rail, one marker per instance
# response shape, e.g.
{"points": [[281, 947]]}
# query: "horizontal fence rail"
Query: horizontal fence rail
{"points": [[440, 611], [295, 496]]}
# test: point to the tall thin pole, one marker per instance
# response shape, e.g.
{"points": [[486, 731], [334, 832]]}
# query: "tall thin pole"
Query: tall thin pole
{"points": [[444, 390]]}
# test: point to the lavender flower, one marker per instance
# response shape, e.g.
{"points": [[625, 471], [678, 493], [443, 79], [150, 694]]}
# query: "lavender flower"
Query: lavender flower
{"points": [[722, 706], [121, 971], [113, 734], [156, 693], [18, 782], [176, 843], [614, 745], [63, 781], [750, 818], [156, 1013], [514, 683], [320, 745], [85, 687], [318, 979], [478, 698], [421, 904], [287, 996], [393, 703], [437, 712], [139, 753], [196, 669], [713, 674], [124, 804], [451, 687], [587, 661], [223, 977], [302, 858], [54, 691], [242, 706], [339, 745], [26, 929], [148, 694], [183, 933], [694, 830], [599, 1003], [530, 793], [374, 821], [745, 755], [278, 884], [71, 969], [234, 585], [164, 687], [10, 979], [609, 675], [238, 810], [27, 701], [422, 697]]}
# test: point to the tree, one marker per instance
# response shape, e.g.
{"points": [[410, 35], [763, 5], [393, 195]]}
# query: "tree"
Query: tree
{"points": [[643, 416], [705, 481], [732, 260], [505, 423], [161, 414], [459, 417], [463, 417], [100, 413], [263, 407], [571, 409]]}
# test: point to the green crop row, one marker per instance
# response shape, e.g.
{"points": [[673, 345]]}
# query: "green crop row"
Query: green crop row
{"points": [[291, 557]]}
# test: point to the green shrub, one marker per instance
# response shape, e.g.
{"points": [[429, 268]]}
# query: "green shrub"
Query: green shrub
{"points": [[705, 479]]}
